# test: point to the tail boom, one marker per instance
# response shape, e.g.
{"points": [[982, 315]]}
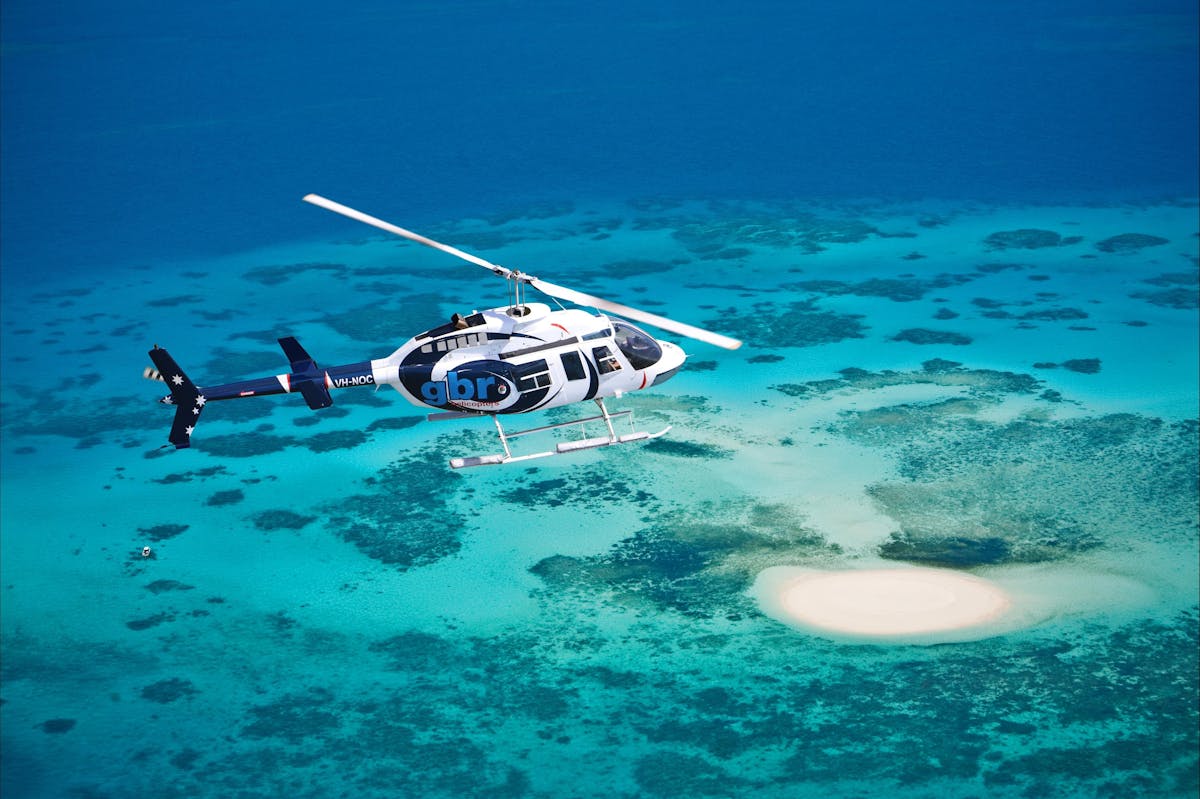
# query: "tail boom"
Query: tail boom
{"points": [[306, 379]]}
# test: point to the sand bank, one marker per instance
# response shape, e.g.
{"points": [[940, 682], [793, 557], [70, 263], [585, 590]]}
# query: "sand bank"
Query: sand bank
{"points": [[910, 604], [889, 603]]}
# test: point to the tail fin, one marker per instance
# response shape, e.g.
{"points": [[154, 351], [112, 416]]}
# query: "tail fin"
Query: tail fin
{"points": [[184, 395]]}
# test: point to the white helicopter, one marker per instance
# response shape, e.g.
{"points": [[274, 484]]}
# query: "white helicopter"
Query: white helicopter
{"points": [[522, 358]]}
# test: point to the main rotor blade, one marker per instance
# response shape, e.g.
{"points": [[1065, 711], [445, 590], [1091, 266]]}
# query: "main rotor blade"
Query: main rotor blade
{"points": [[345, 210], [579, 298], [561, 292]]}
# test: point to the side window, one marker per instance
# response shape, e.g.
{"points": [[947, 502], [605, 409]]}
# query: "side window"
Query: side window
{"points": [[605, 361], [532, 375], [573, 365]]}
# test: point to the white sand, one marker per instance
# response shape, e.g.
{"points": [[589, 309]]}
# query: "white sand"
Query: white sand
{"points": [[913, 605], [896, 603]]}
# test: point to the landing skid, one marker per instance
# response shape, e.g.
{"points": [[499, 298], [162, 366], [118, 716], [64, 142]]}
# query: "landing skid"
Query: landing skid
{"points": [[564, 447]]}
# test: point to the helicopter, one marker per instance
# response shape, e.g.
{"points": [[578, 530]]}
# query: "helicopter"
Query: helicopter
{"points": [[509, 360]]}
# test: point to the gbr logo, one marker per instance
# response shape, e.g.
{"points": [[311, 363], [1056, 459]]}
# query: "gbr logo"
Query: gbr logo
{"points": [[467, 388]]}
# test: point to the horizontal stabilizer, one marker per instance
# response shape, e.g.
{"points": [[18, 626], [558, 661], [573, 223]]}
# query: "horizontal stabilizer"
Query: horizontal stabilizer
{"points": [[317, 396]]}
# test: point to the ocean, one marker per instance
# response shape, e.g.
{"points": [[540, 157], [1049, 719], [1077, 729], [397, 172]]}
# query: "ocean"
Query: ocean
{"points": [[959, 243]]}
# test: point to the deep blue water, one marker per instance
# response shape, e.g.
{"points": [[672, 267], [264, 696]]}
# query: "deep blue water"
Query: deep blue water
{"points": [[136, 130]]}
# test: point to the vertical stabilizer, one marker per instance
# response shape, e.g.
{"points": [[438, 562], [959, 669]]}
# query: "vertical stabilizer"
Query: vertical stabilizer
{"points": [[185, 396]]}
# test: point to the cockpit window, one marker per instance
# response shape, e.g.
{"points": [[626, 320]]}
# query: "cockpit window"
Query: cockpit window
{"points": [[641, 350]]}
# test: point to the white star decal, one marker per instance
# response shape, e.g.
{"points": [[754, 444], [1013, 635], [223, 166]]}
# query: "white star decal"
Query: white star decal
{"points": [[188, 430], [177, 380], [200, 400], [196, 410], [168, 400]]}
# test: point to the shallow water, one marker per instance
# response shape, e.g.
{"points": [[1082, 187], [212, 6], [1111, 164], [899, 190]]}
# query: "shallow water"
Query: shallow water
{"points": [[332, 609]]}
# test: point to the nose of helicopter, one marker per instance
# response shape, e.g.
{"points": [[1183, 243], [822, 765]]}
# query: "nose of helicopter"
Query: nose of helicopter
{"points": [[672, 359]]}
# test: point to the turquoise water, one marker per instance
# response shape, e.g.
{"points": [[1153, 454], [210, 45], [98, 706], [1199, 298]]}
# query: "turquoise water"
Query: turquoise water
{"points": [[1001, 382]]}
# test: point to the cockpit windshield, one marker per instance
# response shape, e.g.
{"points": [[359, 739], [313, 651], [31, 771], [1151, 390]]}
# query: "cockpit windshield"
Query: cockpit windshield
{"points": [[641, 350]]}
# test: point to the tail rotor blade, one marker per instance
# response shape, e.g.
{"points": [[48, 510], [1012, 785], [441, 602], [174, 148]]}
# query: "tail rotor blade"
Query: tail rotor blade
{"points": [[579, 298]]}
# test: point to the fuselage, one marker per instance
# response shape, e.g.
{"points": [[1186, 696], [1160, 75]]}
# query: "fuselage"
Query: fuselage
{"points": [[497, 362]]}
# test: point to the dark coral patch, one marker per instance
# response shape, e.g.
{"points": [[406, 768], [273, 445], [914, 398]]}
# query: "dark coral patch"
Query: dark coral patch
{"points": [[632, 267], [185, 759], [394, 423], [333, 440], [954, 552], [230, 364], [188, 476], [683, 562], [937, 371], [416, 651], [686, 449], [231, 497], [995, 268], [595, 488], [276, 274], [1087, 366], [768, 326], [379, 324], [765, 358], [1027, 239], [242, 445], [163, 586], [294, 717], [1054, 315], [57, 726], [895, 289], [1127, 243], [919, 335], [972, 485], [101, 417], [162, 532], [1179, 290], [281, 519], [174, 301], [167, 691], [408, 518], [1169, 279], [708, 238], [540, 209], [150, 621]]}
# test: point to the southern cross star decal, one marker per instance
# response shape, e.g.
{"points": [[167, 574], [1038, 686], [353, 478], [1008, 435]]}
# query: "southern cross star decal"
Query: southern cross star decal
{"points": [[201, 399], [188, 430], [177, 380]]}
